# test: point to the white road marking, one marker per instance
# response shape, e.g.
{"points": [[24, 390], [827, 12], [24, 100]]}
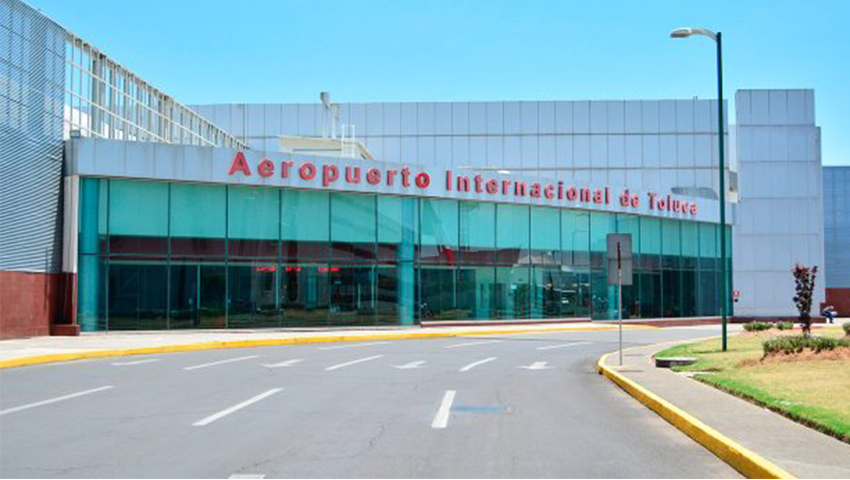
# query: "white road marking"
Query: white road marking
{"points": [[54, 400], [536, 366], [238, 406], [563, 345], [469, 344], [441, 419], [287, 363], [248, 476], [406, 366], [136, 362], [341, 365], [475, 364], [205, 365], [337, 347]]}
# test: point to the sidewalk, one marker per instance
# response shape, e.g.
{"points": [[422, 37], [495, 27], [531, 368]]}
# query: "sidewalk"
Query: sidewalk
{"points": [[93, 343], [804, 452]]}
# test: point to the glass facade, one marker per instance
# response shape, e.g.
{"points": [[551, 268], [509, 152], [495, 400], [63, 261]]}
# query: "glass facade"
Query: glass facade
{"points": [[156, 255]]}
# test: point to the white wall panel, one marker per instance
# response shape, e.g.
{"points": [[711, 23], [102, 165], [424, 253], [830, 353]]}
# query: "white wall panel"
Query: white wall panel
{"points": [[477, 118], [667, 116], [546, 115], [289, 118], [633, 151], [528, 117], [478, 151], [356, 117], [513, 151], [778, 104], [460, 151], [650, 113], [759, 107], [529, 154], [616, 116], [616, 151], [495, 151], [512, 118], [564, 151], [598, 151], [443, 151], [460, 118], [598, 117], [273, 114], [443, 118], [392, 119], [564, 117], [409, 115], [581, 151], [651, 151], [495, 118], [427, 146], [374, 119], [685, 151], [684, 116], [547, 154], [581, 117], [633, 122], [667, 155], [703, 150], [392, 149], [425, 118], [702, 117]]}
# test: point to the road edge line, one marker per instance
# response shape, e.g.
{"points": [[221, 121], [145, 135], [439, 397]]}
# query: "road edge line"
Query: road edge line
{"points": [[745, 461], [269, 342]]}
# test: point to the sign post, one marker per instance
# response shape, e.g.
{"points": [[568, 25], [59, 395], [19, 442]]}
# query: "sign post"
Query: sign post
{"points": [[620, 273]]}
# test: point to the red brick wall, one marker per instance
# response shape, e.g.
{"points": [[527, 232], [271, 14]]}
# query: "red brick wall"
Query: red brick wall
{"points": [[840, 299], [30, 302]]}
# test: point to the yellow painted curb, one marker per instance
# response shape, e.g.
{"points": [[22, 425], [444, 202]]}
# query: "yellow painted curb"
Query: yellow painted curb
{"points": [[267, 342], [749, 463]]}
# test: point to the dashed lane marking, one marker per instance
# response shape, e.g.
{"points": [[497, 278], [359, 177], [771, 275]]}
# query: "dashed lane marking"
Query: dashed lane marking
{"points": [[355, 345], [54, 400], [407, 366], [238, 406], [220, 362], [287, 363], [475, 364], [135, 362], [441, 419], [469, 344], [562, 345], [353, 362]]}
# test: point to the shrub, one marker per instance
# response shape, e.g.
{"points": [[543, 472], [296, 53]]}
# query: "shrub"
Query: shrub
{"points": [[804, 285], [785, 325], [757, 326], [797, 344], [846, 328]]}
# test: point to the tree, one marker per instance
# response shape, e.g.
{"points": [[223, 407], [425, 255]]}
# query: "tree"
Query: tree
{"points": [[804, 279]]}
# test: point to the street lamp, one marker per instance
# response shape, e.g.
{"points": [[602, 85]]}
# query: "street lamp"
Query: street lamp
{"points": [[685, 33]]}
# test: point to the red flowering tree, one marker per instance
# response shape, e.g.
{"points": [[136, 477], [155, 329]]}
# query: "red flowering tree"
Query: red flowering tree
{"points": [[804, 279]]}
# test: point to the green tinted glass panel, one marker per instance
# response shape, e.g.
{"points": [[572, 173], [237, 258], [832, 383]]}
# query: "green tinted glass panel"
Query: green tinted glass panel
{"points": [[545, 228], [439, 222], [305, 215], [650, 236], [389, 219], [601, 224], [630, 224], [198, 210], [477, 224], [670, 237], [126, 215], [512, 226], [353, 218], [690, 239], [575, 231], [708, 242], [253, 213]]}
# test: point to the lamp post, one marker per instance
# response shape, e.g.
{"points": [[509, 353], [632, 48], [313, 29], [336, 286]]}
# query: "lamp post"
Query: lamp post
{"points": [[685, 33]]}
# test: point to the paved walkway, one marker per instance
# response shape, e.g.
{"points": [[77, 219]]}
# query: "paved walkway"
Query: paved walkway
{"points": [[89, 342], [804, 452]]}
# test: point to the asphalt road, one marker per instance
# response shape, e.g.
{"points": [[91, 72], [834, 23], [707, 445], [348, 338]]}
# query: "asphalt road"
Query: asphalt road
{"points": [[525, 405]]}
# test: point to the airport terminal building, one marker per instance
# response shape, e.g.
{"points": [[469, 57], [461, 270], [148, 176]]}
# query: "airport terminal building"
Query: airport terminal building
{"points": [[123, 209]]}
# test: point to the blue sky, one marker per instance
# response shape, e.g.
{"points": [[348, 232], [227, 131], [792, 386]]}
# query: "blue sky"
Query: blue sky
{"points": [[289, 50]]}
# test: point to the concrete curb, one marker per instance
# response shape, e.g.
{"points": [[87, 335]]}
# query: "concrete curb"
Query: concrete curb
{"points": [[748, 463], [268, 342]]}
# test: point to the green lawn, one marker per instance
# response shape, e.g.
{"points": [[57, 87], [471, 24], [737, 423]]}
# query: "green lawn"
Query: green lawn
{"points": [[813, 391]]}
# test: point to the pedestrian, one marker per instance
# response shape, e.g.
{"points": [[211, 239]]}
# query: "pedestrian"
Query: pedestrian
{"points": [[830, 313]]}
